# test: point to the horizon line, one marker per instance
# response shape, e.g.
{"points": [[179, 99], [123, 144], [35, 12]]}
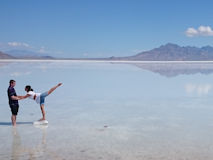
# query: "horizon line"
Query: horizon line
{"points": [[97, 61]]}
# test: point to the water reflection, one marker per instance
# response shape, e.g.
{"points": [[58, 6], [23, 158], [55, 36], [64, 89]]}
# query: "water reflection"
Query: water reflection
{"points": [[16, 145], [10, 124], [4, 63], [199, 89], [22, 150], [172, 69], [168, 69]]}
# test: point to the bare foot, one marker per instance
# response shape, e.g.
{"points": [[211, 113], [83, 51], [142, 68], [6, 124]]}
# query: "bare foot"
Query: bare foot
{"points": [[42, 119]]}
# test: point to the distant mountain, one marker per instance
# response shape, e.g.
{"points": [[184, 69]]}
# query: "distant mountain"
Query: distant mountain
{"points": [[168, 52], [25, 54], [5, 56], [172, 52], [22, 53]]}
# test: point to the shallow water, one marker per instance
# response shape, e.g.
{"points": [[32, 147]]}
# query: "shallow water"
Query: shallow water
{"points": [[115, 111]]}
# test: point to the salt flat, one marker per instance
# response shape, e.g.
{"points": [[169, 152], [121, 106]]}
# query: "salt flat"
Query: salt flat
{"points": [[110, 110]]}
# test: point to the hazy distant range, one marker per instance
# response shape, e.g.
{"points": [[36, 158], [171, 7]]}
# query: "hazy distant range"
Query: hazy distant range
{"points": [[168, 52]]}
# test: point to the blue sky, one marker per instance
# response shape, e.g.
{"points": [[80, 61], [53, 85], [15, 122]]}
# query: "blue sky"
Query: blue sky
{"points": [[103, 28]]}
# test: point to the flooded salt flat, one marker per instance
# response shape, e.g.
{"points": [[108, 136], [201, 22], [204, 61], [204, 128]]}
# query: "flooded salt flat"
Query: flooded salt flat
{"points": [[110, 111]]}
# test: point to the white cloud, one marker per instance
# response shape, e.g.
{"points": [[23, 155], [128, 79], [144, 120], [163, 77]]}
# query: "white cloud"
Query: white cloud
{"points": [[199, 89], [205, 31], [25, 46], [15, 45], [201, 31], [17, 74], [18, 44], [190, 32]]}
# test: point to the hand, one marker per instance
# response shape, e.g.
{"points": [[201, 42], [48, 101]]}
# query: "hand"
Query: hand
{"points": [[20, 97]]}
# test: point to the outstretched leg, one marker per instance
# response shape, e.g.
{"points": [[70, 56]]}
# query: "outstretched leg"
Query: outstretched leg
{"points": [[52, 89]]}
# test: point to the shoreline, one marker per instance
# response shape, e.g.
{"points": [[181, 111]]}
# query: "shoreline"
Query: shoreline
{"points": [[98, 61]]}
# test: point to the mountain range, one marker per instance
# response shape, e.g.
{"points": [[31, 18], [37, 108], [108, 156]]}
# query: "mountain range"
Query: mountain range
{"points": [[23, 54], [5, 56], [168, 52], [172, 52]]}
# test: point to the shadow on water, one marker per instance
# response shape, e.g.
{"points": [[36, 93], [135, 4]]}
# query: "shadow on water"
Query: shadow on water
{"points": [[18, 123]]}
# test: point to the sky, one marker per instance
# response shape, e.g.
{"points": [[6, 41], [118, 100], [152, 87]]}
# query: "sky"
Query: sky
{"points": [[103, 28]]}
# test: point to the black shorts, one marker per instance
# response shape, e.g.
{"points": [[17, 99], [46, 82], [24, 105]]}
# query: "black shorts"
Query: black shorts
{"points": [[14, 108]]}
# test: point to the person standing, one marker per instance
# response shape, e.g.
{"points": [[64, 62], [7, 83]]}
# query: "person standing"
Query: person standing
{"points": [[13, 101]]}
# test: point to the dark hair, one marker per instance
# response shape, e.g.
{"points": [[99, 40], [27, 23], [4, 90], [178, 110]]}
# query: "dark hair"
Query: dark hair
{"points": [[11, 81], [28, 88]]}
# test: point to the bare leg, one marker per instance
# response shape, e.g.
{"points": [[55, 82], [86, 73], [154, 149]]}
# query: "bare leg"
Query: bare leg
{"points": [[43, 112], [52, 89], [42, 106], [13, 118]]}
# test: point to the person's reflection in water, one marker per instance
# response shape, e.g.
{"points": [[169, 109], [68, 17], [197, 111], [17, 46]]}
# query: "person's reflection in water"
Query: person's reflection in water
{"points": [[20, 151], [16, 144], [41, 148]]}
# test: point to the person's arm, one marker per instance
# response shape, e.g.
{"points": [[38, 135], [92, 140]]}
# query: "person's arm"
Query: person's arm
{"points": [[20, 97], [15, 97], [12, 94], [23, 97]]}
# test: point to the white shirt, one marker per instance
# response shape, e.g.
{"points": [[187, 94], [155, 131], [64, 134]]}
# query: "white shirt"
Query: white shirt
{"points": [[32, 94]]}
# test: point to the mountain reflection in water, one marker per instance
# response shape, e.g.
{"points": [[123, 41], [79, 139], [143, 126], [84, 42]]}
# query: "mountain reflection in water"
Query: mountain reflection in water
{"points": [[179, 68]]}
